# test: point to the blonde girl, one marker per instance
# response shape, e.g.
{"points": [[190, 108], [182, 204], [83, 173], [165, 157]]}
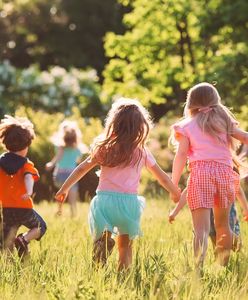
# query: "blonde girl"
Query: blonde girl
{"points": [[69, 151], [121, 153], [205, 139]]}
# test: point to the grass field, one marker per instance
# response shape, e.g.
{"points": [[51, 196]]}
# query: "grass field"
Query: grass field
{"points": [[60, 265]]}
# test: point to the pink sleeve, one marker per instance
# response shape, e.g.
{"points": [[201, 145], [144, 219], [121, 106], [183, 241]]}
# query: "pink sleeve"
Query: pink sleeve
{"points": [[149, 158], [178, 131]]}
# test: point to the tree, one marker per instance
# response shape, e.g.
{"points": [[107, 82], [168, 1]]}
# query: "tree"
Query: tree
{"points": [[57, 32], [171, 45]]}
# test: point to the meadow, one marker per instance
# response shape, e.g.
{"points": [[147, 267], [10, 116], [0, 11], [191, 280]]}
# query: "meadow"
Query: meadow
{"points": [[60, 265]]}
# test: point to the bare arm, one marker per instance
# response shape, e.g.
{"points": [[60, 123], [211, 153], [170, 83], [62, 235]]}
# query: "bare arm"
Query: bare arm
{"points": [[75, 176], [243, 202], [165, 181], [29, 184], [180, 159], [240, 135], [178, 207], [55, 159]]}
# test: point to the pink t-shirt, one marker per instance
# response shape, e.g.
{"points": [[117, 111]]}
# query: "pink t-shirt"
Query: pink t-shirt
{"points": [[203, 146], [124, 179]]}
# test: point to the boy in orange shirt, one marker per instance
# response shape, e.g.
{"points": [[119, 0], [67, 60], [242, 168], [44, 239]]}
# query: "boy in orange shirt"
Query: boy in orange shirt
{"points": [[17, 177]]}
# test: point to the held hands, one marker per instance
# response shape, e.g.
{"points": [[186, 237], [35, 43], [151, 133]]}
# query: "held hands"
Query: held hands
{"points": [[176, 197]]}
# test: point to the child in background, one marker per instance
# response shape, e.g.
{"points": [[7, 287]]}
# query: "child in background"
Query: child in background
{"points": [[121, 153], [69, 152], [205, 137], [17, 177]]}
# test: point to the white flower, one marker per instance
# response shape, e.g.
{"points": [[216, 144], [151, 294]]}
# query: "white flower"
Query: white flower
{"points": [[58, 71]]}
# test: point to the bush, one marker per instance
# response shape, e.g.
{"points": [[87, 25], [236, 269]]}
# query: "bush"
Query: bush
{"points": [[53, 90]]}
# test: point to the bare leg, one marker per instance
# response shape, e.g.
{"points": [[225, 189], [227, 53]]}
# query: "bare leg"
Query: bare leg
{"points": [[32, 234], [223, 234], [72, 200], [125, 251], [201, 223], [10, 239]]}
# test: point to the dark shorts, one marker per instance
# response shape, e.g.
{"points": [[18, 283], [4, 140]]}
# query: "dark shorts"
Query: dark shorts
{"points": [[13, 218], [233, 222]]}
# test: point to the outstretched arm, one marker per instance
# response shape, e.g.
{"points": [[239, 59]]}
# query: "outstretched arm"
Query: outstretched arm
{"points": [[180, 159], [75, 176], [240, 135], [178, 207], [165, 181]]}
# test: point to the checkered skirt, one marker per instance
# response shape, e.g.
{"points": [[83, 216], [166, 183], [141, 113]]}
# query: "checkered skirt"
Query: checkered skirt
{"points": [[211, 184]]}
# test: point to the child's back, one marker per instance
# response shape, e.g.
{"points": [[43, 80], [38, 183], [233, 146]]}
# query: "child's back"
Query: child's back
{"points": [[121, 154], [17, 177]]}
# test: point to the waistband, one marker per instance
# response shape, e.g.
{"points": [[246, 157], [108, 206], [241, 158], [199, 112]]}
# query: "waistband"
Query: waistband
{"points": [[111, 193], [208, 163]]}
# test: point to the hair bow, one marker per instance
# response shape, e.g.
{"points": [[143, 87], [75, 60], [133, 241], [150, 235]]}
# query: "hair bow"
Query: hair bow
{"points": [[205, 109]]}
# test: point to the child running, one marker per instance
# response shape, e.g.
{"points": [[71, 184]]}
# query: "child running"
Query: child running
{"points": [[17, 177], [204, 137], [69, 151], [121, 153]]}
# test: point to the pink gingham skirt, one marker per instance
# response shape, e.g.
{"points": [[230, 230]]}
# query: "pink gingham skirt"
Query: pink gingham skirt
{"points": [[211, 184]]}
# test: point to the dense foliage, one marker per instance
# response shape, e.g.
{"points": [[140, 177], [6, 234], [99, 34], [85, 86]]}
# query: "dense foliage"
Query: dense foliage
{"points": [[53, 90], [57, 32], [170, 45]]}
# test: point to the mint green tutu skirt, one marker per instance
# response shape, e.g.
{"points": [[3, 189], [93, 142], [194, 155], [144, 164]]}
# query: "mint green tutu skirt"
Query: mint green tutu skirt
{"points": [[118, 213]]}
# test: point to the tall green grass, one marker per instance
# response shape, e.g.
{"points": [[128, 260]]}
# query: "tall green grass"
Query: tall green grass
{"points": [[60, 265]]}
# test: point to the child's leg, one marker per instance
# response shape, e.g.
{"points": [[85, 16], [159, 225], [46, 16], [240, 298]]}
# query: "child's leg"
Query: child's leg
{"points": [[36, 224], [212, 232], [32, 220], [125, 251], [8, 228], [201, 223], [72, 200], [223, 234], [8, 239], [103, 247], [32, 234]]}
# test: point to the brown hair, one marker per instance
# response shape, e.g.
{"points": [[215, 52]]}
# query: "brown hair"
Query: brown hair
{"points": [[68, 135], [126, 129], [16, 133]]}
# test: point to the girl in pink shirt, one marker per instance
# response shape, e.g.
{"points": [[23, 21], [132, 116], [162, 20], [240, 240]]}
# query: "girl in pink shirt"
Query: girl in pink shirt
{"points": [[121, 153], [205, 138]]}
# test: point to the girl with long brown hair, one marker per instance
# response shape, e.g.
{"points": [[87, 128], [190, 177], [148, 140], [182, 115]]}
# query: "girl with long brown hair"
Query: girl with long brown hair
{"points": [[121, 153]]}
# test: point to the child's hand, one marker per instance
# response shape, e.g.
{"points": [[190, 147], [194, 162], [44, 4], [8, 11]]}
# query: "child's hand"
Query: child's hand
{"points": [[176, 197], [49, 166], [60, 196], [26, 196], [245, 217], [171, 217]]}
